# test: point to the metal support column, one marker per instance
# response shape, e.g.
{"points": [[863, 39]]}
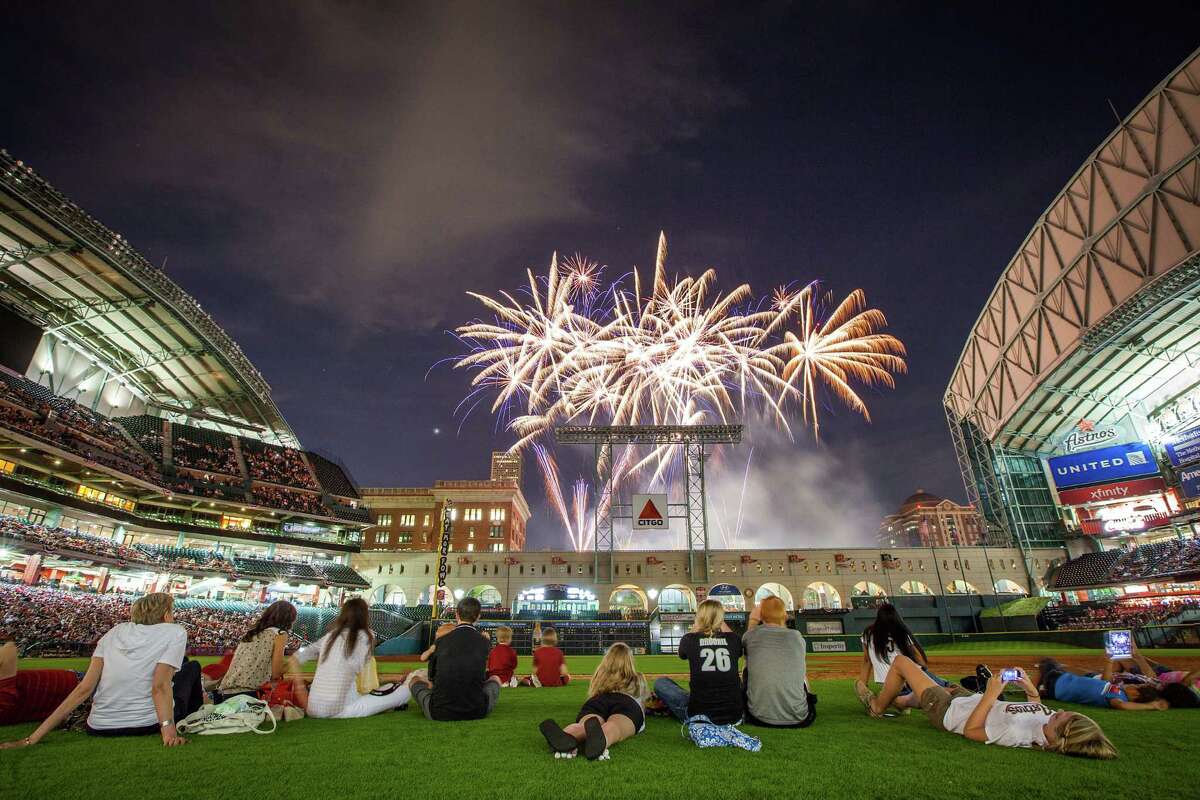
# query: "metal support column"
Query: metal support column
{"points": [[603, 557], [697, 512]]}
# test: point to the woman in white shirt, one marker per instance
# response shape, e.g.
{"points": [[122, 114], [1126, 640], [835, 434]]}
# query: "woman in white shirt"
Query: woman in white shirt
{"points": [[985, 718], [130, 677], [883, 640], [341, 654]]}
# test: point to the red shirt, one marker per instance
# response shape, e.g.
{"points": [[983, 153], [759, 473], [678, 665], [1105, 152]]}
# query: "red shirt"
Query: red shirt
{"points": [[32, 694], [547, 663], [502, 662]]}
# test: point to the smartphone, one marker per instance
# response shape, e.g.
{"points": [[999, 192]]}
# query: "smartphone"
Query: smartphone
{"points": [[1118, 644], [1011, 675]]}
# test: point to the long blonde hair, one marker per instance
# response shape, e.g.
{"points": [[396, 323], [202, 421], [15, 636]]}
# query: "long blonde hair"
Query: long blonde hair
{"points": [[709, 616], [616, 672], [1082, 737]]}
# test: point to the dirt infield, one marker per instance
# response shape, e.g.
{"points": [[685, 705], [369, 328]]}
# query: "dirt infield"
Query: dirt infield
{"points": [[825, 666]]}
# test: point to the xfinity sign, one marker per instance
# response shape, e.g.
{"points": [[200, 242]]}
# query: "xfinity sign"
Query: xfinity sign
{"points": [[650, 512], [1104, 465]]}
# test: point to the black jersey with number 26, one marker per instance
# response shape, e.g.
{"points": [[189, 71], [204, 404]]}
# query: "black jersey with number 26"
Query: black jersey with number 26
{"points": [[716, 689]]}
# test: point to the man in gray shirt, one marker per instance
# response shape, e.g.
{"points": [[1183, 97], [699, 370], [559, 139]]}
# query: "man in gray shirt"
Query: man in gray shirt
{"points": [[775, 669]]}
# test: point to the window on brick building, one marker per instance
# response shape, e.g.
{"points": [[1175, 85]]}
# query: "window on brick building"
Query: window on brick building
{"points": [[384, 520]]}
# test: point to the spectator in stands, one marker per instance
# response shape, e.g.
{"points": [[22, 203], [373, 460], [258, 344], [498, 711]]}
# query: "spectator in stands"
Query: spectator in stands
{"points": [[341, 654], [712, 651], [614, 710], [549, 663], [461, 688], [502, 661], [30, 695], [883, 640], [776, 675], [1056, 682], [136, 679], [260, 655], [985, 718]]}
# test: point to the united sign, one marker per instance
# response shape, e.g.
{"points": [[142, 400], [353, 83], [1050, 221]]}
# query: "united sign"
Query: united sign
{"points": [[1104, 465]]}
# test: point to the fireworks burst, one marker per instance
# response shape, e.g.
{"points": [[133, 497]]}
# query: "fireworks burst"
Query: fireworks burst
{"points": [[674, 352]]}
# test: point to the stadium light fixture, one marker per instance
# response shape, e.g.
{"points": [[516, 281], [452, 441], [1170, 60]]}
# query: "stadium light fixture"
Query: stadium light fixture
{"points": [[652, 594]]}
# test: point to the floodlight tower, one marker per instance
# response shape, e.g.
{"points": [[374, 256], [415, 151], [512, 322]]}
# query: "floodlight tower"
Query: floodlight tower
{"points": [[694, 439]]}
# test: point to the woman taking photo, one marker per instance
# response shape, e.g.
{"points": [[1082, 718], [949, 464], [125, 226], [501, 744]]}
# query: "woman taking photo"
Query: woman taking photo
{"points": [[341, 654], [130, 678], [260, 654], [712, 651]]}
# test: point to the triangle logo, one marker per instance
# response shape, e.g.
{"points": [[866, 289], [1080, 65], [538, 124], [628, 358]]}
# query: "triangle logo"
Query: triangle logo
{"points": [[649, 512]]}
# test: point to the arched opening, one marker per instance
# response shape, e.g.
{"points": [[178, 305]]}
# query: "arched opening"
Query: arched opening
{"points": [[729, 596], [960, 586], [1005, 586], [391, 595], [488, 596], [677, 598], [820, 594], [914, 587], [628, 598], [868, 589], [556, 598], [775, 590], [426, 597]]}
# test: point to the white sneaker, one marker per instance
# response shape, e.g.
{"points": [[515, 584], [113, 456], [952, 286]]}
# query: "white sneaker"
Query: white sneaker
{"points": [[513, 682], [534, 680]]}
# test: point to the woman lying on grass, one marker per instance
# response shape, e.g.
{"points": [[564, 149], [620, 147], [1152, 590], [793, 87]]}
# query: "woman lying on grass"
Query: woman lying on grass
{"points": [[1056, 682], [615, 708], [985, 718]]}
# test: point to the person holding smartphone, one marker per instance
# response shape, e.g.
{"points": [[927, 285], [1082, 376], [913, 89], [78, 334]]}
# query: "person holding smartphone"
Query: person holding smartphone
{"points": [[986, 718]]}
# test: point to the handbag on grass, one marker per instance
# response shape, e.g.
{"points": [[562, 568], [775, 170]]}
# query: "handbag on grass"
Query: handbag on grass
{"points": [[238, 714], [367, 679]]}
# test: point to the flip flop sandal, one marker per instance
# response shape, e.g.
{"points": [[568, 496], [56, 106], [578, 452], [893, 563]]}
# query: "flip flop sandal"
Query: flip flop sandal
{"points": [[557, 738], [595, 744]]}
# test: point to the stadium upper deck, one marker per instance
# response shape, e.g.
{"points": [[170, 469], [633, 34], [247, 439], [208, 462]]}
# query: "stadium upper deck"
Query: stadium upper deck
{"points": [[1089, 343], [119, 395]]}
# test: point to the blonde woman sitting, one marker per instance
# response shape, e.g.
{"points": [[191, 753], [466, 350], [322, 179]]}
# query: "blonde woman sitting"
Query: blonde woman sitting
{"points": [[614, 711]]}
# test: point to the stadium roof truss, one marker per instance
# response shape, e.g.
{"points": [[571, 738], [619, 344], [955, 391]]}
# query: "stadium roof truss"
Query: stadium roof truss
{"points": [[1098, 313], [90, 290]]}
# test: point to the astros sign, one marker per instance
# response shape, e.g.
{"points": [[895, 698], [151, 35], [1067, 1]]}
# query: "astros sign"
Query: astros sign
{"points": [[650, 512]]}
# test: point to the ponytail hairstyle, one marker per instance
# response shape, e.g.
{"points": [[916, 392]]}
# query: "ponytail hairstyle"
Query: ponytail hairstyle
{"points": [[1081, 737], [709, 616], [281, 614], [352, 621]]}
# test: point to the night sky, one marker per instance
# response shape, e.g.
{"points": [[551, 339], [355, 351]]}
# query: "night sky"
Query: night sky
{"points": [[328, 180]]}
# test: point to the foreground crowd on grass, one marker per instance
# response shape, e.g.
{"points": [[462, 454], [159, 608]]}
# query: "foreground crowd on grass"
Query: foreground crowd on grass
{"points": [[139, 682]]}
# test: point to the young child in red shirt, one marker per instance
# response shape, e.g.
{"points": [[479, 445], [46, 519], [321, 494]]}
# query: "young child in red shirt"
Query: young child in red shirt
{"points": [[549, 664], [502, 661]]}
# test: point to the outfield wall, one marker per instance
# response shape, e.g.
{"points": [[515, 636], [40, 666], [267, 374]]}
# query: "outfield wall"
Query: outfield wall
{"points": [[829, 577]]}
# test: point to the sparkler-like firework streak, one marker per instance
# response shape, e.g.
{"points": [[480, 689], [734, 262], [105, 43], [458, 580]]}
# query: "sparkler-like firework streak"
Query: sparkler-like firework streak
{"points": [[675, 352], [846, 346], [731, 530]]}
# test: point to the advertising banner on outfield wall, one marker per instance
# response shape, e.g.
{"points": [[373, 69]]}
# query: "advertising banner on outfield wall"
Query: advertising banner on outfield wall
{"points": [[1184, 448], [1104, 465], [1189, 481], [1122, 490]]}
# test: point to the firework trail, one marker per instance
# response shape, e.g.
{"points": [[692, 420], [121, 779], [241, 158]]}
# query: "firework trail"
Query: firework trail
{"points": [[731, 531], [675, 351]]}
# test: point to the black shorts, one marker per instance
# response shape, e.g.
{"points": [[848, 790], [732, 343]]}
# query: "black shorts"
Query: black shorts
{"points": [[609, 703]]}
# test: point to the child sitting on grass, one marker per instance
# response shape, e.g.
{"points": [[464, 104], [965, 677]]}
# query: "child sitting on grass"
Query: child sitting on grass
{"points": [[441, 631], [614, 711], [985, 718], [502, 661], [549, 664]]}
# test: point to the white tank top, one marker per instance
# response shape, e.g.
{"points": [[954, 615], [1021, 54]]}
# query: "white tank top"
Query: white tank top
{"points": [[881, 667]]}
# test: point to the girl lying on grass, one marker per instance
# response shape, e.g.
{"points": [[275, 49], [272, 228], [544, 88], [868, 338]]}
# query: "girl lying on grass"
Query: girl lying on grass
{"points": [[614, 711], [985, 718]]}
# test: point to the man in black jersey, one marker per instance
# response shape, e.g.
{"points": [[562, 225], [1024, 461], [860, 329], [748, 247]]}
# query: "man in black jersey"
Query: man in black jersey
{"points": [[712, 651]]}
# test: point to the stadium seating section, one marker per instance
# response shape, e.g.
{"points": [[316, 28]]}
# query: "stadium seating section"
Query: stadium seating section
{"points": [[1119, 614], [199, 462], [192, 559], [1175, 558]]}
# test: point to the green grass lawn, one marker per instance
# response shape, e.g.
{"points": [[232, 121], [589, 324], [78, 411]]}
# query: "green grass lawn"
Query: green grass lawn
{"points": [[400, 754]]}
